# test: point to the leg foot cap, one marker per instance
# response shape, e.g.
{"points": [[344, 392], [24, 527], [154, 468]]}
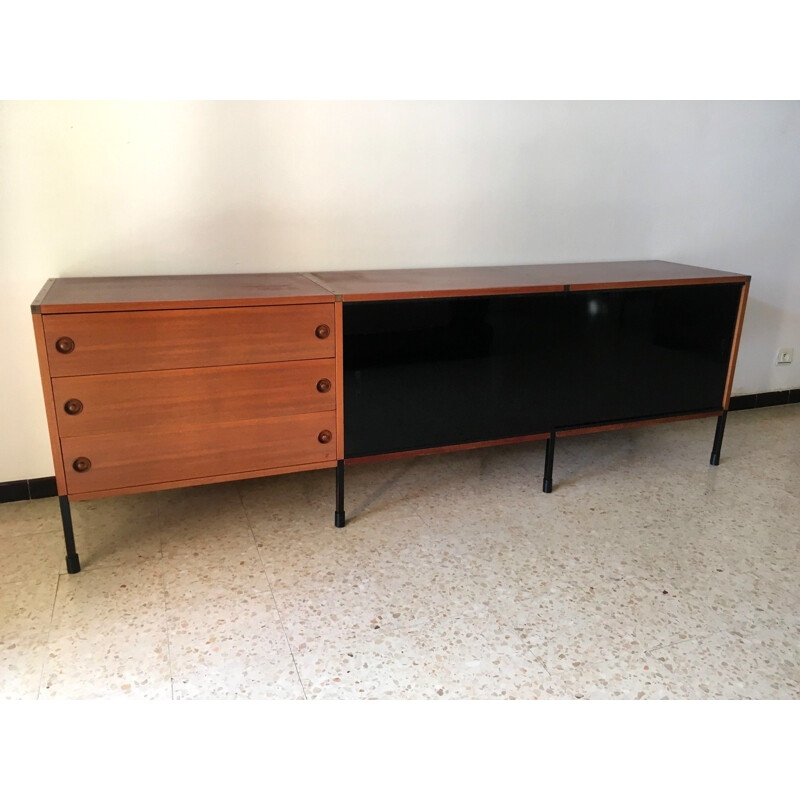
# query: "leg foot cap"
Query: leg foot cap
{"points": [[338, 519], [73, 564], [547, 486]]}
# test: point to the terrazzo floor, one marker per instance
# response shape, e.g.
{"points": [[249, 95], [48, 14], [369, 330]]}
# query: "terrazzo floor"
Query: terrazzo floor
{"points": [[645, 574]]}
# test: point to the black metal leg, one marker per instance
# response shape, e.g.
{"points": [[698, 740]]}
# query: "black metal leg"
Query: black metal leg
{"points": [[338, 519], [547, 485], [715, 451], [73, 563]]}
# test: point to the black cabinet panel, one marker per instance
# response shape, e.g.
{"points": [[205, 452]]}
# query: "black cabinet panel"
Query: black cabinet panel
{"points": [[438, 372]]}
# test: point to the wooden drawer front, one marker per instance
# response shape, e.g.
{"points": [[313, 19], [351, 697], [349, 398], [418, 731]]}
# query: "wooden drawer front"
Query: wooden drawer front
{"points": [[131, 341], [155, 456], [171, 399]]}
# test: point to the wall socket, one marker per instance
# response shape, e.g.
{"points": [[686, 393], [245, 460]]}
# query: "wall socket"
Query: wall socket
{"points": [[785, 355]]}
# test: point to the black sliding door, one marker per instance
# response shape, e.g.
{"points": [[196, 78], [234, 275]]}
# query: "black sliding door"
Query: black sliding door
{"points": [[431, 373]]}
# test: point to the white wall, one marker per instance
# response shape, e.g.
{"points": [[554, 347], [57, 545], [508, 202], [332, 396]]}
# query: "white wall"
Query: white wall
{"points": [[125, 188]]}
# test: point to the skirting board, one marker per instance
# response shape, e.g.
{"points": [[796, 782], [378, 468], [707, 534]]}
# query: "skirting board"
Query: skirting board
{"points": [[744, 401], [32, 489], [36, 488]]}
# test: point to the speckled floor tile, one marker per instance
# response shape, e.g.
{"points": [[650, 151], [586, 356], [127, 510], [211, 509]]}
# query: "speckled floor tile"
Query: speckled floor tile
{"points": [[624, 677], [446, 659], [115, 530], [214, 566], [108, 636], [200, 514], [26, 609], [417, 486], [21, 663], [743, 663], [394, 569], [26, 518], [288, 498], [37, 558], [361, 603], [573, 625], [293, 553], [231, 647]]}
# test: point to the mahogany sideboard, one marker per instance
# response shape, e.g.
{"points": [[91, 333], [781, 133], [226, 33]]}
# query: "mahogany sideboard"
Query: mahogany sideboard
{"points": [[159, 382]]}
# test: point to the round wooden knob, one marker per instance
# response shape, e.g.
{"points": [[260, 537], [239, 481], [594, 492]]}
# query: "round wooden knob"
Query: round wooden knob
{"points": [[81, 464], [65, 345], [324, 437], [323, 386], [322, 332], [73, 406]]}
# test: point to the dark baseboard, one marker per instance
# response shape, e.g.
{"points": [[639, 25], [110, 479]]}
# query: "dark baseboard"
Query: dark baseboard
{"points": [[42, 487], [10, 491], [764, 399], [36, 488], [33, 489]]}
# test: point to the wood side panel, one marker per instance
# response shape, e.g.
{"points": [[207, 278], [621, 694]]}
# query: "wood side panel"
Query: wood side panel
{"points": [[143, 292], [131, 341], [615, 426], [154, 456], [169, 399], [339, 329], [446, 449], [235, 476], [49, 404], [726, 397]]}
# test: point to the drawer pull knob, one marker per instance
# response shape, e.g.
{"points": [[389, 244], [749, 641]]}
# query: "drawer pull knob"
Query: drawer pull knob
{"points": [[65, 345], [81, 464], [322, 332], [323, 386], [324, 437], [73, 407]]}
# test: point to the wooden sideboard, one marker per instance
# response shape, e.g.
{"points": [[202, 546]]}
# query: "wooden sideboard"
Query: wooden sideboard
{"points": [[168, 381]]}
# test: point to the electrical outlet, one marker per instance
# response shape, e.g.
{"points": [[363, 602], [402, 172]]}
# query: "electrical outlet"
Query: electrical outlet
{"points": [[785, 355]]}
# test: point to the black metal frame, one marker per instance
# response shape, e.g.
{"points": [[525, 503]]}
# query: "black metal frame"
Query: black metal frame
{"points": [[547, 484], [719, 433], [73, 562], [549, 454], [339, 517]]}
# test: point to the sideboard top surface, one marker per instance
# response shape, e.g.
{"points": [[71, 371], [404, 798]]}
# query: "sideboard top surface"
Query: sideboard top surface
{"points": [[61, 295], [72, 295], [389, 284]]}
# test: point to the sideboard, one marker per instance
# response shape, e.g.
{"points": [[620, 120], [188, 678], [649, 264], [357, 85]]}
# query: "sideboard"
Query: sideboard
{"points": [[166, 381]]}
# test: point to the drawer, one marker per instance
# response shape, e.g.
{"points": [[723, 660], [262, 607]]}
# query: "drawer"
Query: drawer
{"points": [[132, 341], [169, 399], [126, 459]]}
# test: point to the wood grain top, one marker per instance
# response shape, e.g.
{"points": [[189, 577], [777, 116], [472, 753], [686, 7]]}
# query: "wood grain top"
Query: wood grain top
{"points": [[458, 281], [72, 295], [61, 295]]}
